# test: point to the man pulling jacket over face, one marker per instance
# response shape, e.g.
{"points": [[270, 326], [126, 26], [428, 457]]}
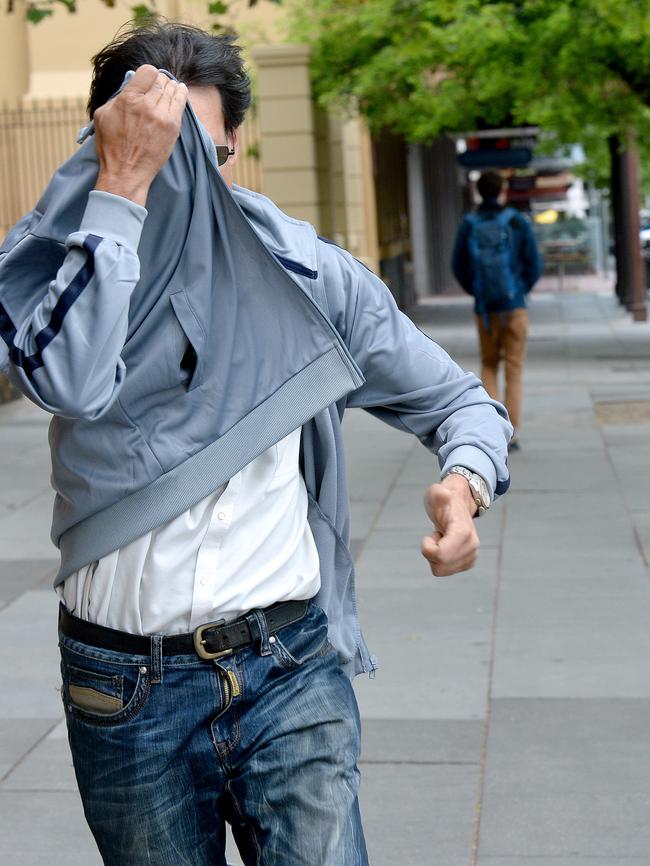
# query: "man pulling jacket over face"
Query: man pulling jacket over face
{"points": [[197, 349]]}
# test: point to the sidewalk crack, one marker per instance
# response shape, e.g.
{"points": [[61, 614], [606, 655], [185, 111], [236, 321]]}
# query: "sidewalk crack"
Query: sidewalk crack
{"points": [[488, 711], [29, 751]]}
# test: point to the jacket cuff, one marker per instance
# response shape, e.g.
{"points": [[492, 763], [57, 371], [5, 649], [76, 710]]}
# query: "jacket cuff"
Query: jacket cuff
{"points": [[477, 461], [114, 217]]}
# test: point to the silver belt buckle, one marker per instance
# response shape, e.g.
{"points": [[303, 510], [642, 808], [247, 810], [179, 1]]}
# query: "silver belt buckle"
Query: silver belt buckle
{"points": [[199, 642]]}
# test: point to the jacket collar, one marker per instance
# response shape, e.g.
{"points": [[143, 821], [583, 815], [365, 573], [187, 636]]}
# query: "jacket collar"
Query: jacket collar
{"points": [[286, 237]]}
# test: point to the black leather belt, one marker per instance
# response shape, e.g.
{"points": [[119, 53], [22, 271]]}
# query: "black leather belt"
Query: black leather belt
{"points": [[210, 641]]}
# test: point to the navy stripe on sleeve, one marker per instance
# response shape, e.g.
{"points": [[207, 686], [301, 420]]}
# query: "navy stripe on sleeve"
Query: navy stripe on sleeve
{"points": [[7, 330], [502, 487], [82, 278]]}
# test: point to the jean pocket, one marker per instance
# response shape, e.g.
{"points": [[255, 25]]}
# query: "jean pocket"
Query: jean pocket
{"points": [[101, 693], [300, 643], [95, 693]]}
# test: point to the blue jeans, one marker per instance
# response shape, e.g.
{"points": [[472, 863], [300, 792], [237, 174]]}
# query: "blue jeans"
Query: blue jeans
{"points": [[167, 749]]}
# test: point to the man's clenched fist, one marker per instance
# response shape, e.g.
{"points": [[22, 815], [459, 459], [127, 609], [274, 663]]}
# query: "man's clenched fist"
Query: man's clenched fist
{"points": [[136, 132], [454, 544]]}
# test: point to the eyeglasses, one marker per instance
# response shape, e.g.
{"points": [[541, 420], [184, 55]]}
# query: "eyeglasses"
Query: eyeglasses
{"points": [[223, 153]]}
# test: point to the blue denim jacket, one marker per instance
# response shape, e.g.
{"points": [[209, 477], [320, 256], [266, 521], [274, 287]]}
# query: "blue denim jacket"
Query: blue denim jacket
{"points": [[175, 344]]}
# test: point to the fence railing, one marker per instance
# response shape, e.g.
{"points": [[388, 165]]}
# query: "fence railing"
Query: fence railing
{"points": [[34, 140], [37, 137], [248, 168]]}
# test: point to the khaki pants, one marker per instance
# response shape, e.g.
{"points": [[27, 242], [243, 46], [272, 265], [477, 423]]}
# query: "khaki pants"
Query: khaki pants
{"points": [[506, 340]]}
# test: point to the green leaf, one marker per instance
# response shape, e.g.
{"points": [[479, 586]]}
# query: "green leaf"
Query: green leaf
{"points": [[36, 14], [218, 7], [143, 14]]}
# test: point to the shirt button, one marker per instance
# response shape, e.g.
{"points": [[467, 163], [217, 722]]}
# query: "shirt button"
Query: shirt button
{"points": [[221, 515], [203, 581]]}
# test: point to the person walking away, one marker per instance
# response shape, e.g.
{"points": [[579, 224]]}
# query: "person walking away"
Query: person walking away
{"points": [[496, 260]]}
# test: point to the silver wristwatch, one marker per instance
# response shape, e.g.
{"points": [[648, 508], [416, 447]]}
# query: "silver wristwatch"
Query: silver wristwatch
{"points": [[477, 485]]}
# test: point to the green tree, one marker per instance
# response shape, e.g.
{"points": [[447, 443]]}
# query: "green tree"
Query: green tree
{"points": [[578, 68]]}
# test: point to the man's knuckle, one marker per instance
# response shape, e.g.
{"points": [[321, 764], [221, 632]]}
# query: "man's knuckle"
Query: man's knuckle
{"points": [[130, 98]]}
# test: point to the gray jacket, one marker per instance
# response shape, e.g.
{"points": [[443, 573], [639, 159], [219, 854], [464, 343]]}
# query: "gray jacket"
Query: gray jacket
{"points": [[174, 345]]}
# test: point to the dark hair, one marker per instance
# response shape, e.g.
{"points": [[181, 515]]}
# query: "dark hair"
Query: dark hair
{"points": [[489, 185], [190, 54]]}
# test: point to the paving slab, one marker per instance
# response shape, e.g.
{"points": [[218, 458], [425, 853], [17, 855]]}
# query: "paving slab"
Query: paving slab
{"points": [[30, 667], [641, 521], [433, 664], [404, 567], [568, 746], [565, 825], [17, 738], [47, 767], [560, 599], [364, 516], [440, 799], [20, 575], [527, 558], [586, 469], [577, 860], [45, 829], [572, 660], [628, 464], [25, 532], [422, 741]]}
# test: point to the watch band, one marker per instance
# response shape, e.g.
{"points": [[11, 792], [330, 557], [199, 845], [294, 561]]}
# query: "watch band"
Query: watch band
{"points": [[477, 485]]}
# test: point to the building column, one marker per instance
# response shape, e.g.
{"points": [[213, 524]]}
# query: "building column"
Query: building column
{"points": [[348, 207], [287, 130], [14, 55], [423, 283]]}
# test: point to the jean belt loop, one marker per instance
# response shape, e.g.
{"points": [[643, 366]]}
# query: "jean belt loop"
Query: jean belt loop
{"points": [[156, 658], [257, 616]]}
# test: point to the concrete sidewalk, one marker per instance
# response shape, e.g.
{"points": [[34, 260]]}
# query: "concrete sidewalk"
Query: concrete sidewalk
{"points": [[508, 725]]}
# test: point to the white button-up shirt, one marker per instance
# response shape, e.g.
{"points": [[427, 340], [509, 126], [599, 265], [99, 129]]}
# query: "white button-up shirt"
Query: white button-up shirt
{"points": [[250, 547]]}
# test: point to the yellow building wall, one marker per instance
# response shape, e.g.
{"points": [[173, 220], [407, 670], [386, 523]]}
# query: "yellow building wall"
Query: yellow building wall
{"points": [[58, 50], [61, 46], [14, 54]]}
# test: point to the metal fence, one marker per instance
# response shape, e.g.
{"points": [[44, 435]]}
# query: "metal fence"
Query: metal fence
{"points": [[34, 140], [37, 137]]}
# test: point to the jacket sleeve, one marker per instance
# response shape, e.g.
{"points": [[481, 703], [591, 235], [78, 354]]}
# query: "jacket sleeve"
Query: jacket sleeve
{"points": [[411, 383], [64, 352], [461, 263]]}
